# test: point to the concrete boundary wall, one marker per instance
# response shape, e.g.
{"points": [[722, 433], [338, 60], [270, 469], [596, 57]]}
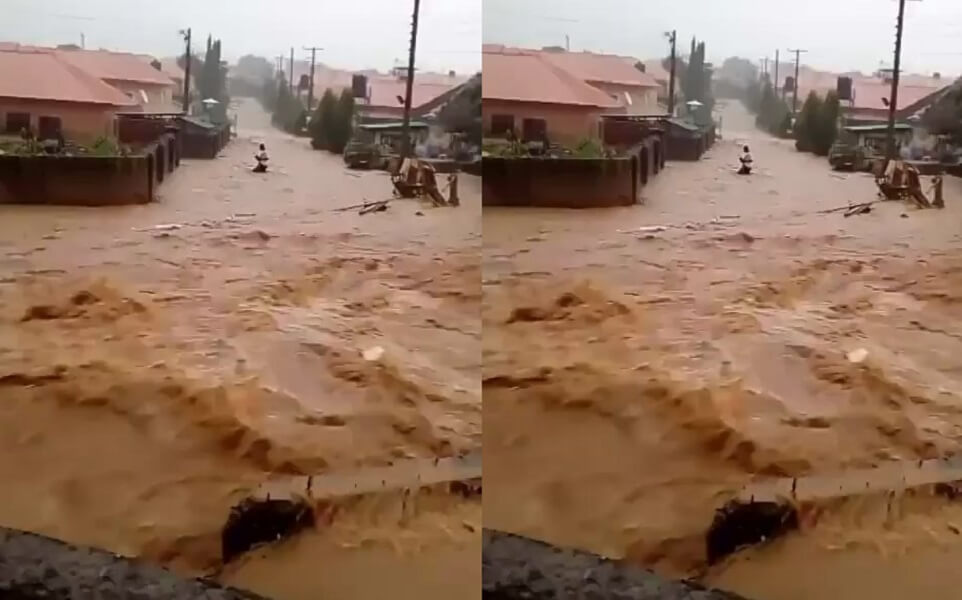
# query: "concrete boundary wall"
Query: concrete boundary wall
{"points": [[77, 180], [571, 182], [516, 567], [34, 567], [89, 180], [560, 182]]}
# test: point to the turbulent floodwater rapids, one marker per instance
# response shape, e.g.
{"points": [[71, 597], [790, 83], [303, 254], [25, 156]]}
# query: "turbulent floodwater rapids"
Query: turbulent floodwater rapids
{"points": [[151, 376], [636, 379]]}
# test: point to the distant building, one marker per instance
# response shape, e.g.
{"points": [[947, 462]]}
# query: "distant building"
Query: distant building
{"points": [[662, 76], [870, 103], [150, 89], [384, 96], [41, 90], [635, 91], [170, 68], [526, 93]]}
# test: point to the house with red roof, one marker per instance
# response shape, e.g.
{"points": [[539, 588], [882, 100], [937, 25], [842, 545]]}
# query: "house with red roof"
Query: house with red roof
{"points": [[870, 99], [150, 89], [635, 91], [535, 97], [49, 95]]}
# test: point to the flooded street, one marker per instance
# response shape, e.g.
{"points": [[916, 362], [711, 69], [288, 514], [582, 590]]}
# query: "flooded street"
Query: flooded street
{"points": [[158, 362], [642, 364]]}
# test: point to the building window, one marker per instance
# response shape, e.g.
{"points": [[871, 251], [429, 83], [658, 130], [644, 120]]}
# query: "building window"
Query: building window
{"points": [[17, 122], [502, 124], [534, 130], [49, 128]]}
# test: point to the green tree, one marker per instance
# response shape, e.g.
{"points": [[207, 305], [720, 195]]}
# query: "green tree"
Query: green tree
{"points": [[343, 125], [462, 114], [772, 111], [696, 83], [289, 113], [212, 81], [322, 123], [807, 124], [826, 127]]}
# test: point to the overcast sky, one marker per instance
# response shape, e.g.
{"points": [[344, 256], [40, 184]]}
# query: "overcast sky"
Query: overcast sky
{"points": [[839, 35], [354, 34]]}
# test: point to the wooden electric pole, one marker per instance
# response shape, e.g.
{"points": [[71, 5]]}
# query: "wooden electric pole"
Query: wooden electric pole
{"points": [[672, 37], [775, 83], [406, 125], [187, 61], [310, 90], [891, 152], [291, 78], [798, 54]]}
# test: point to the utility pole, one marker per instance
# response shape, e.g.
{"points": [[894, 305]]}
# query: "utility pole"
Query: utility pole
{"points": [[567, 43], [310, 90], [83, 41], [187, 61], [280, 64], [765, 65], [406, 125], [672, 37], [775, 83], [798, 53], [291, 77], [891, 150]]}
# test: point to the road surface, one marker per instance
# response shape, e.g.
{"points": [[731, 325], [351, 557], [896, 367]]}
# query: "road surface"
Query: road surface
{"points": [[641, 364], [159, 362]]}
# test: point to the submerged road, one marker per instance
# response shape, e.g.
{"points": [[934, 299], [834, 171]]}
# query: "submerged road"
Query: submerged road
{"points": [[636, 379], [159, 362]]}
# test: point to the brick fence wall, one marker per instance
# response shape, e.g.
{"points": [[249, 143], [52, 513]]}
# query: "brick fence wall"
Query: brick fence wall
{"points": [[560, 182], [77, 180], [572, 182]]}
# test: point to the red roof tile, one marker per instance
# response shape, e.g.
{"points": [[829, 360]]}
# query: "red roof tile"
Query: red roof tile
{"points": [[168, 66], [657, 70], [385, 90], [116, 66], [869, 94], [41, 74], [601, 68], [526, 76]]}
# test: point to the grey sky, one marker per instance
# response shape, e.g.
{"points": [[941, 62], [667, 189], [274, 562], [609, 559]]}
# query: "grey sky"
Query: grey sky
{"points": [[354, 35], [839, 34]]}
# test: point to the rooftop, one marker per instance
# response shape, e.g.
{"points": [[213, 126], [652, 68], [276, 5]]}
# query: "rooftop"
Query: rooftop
{"points": [[528, 76], [29, 72], [116, 66], [601, 68]]}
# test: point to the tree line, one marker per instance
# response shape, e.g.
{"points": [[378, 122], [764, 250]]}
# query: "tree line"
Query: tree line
{"points": [[816, 126], [696, 78], [209, 76], [329, 126]]}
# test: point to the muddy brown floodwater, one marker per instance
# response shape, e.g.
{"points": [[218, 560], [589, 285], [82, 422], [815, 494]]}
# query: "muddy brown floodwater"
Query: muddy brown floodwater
{"points": [[634, 379], [152, 376]]}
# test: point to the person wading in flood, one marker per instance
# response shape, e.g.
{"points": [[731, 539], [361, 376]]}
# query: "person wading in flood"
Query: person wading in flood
{"points": [[261, 158], [746, 160]]}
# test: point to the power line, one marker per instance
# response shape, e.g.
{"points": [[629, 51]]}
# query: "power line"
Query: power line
{"points": [[310, 90], [798, 53]]}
